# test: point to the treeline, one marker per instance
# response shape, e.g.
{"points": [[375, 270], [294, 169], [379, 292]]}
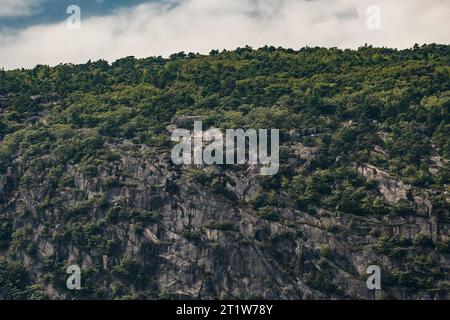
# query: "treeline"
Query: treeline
{"points": [[387, 107]]}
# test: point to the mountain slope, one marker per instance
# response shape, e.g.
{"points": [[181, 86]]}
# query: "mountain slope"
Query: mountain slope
{"points": [[86, 177]]}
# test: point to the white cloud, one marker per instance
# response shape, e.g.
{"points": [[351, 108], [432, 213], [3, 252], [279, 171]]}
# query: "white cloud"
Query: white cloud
{"points": [[17, 8], [202, 25]]}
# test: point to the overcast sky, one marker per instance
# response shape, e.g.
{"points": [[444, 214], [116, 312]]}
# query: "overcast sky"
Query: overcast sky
{"points": [[36, 32]]}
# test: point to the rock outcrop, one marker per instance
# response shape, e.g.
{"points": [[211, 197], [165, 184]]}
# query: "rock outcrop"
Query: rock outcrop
{"points": [[145, 228]]}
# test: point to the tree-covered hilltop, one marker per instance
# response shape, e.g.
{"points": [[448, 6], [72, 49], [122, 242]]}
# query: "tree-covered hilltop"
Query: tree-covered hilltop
{"points": [[84, 170]]}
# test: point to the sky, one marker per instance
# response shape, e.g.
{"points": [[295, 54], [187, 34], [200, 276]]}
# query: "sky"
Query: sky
{"points": [[42, 32]]}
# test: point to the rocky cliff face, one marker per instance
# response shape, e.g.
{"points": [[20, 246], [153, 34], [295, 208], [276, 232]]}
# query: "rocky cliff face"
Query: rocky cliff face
{"points": [[141, 227]]}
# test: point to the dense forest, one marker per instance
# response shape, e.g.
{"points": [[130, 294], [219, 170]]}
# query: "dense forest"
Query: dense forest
{"points": [[71, 135]]}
